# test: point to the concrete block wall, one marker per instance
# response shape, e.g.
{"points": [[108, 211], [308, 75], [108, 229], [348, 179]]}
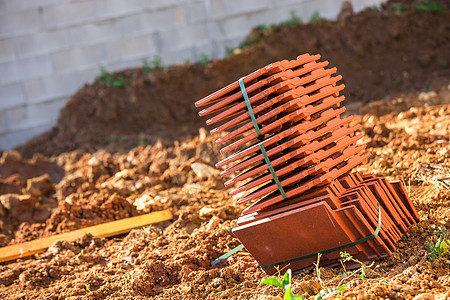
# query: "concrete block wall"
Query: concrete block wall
{"points": [[49, 48]]}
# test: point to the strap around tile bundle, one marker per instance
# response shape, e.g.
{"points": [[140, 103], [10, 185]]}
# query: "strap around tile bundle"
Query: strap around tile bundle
{"points": [[249, 105], [372, 236], [228, 254], [272, 171]]}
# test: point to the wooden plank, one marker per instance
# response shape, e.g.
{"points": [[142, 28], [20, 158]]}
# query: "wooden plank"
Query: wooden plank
{"points": [[101, 230]]}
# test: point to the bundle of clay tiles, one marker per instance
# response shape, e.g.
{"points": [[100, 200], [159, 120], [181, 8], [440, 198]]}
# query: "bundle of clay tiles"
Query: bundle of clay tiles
{"points": [[292, 155]]}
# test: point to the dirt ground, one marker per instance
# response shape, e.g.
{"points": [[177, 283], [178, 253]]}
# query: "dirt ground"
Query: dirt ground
{"points": [[105, 161]]}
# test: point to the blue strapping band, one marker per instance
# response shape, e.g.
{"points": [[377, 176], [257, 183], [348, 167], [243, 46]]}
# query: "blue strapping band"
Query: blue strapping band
{"points": [[249, 106], [272, 171], [228, 254]]}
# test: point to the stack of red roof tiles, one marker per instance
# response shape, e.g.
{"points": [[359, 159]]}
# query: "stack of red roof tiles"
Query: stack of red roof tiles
{"points": [[293, 156]]}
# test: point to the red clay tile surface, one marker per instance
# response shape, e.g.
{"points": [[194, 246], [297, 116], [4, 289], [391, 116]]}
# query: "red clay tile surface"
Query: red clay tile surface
{"points": [[310, 201]]}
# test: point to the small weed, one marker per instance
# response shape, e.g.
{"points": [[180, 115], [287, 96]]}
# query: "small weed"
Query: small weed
{"points": [[316, 18], [105, 77], [261, 27], [187, 62], [116, 138], [128, 277], [82, 252], [360, 272], [318, 269], [228, 51], [154, 64], [145, 66], [444, 64], [284, 284], [375, 7], [398, 7], [142, 140], [119, 82], [293, 20], [441, 247], [428, 6], [88, 287], [204, 59], [327, 293], [249, 41], [108, 80], [157, 63]]}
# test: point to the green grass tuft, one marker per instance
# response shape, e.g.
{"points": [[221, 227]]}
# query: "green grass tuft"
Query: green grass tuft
{"points": [[428, 6]]}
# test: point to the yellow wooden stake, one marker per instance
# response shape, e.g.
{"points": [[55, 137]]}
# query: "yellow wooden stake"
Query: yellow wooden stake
{"points": [[101, 230]]}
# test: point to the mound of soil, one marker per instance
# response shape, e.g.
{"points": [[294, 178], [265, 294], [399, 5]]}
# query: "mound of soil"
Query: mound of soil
{"points": [[377, 52]]}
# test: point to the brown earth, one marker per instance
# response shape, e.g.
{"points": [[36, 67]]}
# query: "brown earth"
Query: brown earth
{"points": [[171, 260], [408, 135]]}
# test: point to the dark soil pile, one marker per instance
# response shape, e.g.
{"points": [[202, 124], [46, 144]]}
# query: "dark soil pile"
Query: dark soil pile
{"points": [[378, 53]]}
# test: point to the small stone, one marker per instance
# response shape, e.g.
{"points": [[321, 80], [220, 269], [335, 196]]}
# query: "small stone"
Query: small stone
{"points": [[158, 187], [193, 188], [310, 287], [4, 240], [425, 296], [218, 282], [206, 212], [10, 157], [380, 291], [381, 129], [397, 287], [161, 199], [213, 223], [9, 201], [425, 96], [143, 201], [158, 168], [52, 273], [40, 186], [124, 174], [203, 171], [203, 133], [409, 290]]}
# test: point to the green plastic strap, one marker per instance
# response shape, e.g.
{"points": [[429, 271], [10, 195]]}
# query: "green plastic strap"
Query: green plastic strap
{"points": [[249, 105], [275, 177], [228, 254], [372, 236]]}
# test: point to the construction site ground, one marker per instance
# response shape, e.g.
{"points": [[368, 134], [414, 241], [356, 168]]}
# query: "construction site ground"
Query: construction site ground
{"points": [[118, 152]]}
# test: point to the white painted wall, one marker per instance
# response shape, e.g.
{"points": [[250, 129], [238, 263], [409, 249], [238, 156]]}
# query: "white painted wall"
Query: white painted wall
{"points": [[49, 48]]}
